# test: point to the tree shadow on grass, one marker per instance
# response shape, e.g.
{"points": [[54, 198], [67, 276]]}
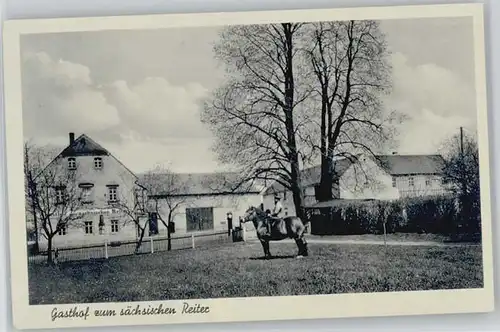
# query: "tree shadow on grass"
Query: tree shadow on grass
{"points": [[467, 238], [263, 258]]}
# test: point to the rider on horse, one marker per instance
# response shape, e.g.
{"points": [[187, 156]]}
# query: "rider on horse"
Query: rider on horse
{"points": [[275, 214]]}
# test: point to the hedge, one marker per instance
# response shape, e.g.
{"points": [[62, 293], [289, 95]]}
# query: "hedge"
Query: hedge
{"points": [[437, 215]]}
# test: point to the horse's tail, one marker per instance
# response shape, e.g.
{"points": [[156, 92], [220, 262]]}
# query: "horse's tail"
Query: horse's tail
{"points": [[307, 226]]}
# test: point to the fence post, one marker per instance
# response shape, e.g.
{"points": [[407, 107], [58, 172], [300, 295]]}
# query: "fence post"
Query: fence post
{"points": [[106, 249], [192, 241], [152, 247]]}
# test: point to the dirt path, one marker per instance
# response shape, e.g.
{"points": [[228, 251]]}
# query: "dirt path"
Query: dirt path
{"points": [[377, 242]]}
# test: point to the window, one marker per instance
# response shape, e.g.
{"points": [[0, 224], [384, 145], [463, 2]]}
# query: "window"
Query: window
{"points": [[114, 226], [394, 181], [86, 192], [428, 182], [71, 163], [59, 195], [284, 195], [411, 181], [88, 227], [199, 219], [113, 193], [62, 230], [98, 162]]}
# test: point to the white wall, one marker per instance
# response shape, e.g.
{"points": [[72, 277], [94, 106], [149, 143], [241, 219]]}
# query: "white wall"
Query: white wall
{"points": [[221, 204], [75, 235], [422, 185], [111, 173]]}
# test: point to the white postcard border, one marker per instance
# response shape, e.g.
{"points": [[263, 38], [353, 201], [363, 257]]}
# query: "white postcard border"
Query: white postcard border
{"points": [[238, 309]]}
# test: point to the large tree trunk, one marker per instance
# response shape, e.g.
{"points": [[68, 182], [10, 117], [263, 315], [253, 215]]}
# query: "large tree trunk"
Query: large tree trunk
{"points": [[32, 196], [296, 186], [50, 259], [139, 241], [326, 182], [37, 241], [169, 238]]}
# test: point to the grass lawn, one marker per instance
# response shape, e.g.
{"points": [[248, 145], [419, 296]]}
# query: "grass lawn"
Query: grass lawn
{"points": [[393, 237], [400, 237], [237, 270]]}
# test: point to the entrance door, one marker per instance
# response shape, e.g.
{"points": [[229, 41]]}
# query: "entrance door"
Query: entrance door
{"points": [[199, 219]]}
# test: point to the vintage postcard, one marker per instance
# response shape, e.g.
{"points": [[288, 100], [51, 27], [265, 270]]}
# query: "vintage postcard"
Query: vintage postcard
{"points": [[223, 167]]}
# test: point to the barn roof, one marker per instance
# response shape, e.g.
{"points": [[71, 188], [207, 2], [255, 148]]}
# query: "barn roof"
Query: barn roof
{"points": [[194, 184], [392, 164], [411, 164], [312, 175]]}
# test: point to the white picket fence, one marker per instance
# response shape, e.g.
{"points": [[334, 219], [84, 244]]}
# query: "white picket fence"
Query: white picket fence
{"points": [[124, 248]]}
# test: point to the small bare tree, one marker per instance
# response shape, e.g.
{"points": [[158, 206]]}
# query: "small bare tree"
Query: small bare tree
{"points": [[132, 204], [164, 186], [137, 215], [52, 194]]}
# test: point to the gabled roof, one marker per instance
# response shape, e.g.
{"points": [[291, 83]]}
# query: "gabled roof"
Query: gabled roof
{"points": [[411, 164], [311, 176], [84, 146], [193, 184]]}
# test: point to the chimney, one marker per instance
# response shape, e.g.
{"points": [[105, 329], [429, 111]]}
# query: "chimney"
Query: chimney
{"points": [[71, 138]]}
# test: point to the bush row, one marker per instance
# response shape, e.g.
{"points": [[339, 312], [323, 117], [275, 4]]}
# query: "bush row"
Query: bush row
{"points": [[437, 215]]}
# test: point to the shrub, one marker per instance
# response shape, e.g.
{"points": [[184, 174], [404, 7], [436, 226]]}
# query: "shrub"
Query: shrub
{"points": [[437, 215]]}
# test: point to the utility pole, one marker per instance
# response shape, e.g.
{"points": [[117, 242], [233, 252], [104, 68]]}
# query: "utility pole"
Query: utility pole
{"points": [[462, 141]]}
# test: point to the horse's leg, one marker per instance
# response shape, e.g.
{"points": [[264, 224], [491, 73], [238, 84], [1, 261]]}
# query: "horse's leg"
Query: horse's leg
{"points": [[299, 243], [264, 247], [305, 251]]}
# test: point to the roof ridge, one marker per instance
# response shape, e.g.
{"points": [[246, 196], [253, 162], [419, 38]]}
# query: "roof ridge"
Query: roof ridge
{"points": [[411, 154]]}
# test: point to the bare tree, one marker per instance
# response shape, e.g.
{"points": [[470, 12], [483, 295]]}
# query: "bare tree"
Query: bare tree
{"points": [[461, 174], [52, 194], [163, 186], [352, 73], [461, 169], [35, 159], [256, 115]]}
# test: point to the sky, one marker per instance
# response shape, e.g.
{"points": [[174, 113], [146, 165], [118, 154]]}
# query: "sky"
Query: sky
{"points": [[138, 92]]}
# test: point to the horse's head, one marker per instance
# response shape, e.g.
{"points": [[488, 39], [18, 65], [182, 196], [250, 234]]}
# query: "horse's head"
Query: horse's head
{"points": [[250, 214]]}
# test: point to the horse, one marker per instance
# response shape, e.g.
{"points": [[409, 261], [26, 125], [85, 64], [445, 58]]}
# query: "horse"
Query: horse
{"points": [[289, 227]]}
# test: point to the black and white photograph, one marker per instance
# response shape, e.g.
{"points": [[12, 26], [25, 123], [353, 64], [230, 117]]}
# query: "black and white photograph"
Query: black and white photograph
{"points": [[266, 158]]}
